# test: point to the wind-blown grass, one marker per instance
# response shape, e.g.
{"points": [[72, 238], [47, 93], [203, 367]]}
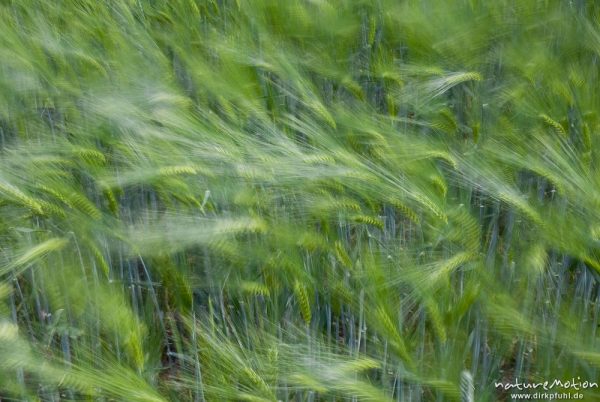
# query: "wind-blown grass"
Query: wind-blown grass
{"points": [[300, 200]]}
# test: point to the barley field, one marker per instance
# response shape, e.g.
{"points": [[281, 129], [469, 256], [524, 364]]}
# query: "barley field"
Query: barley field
{"points": [[299, 200]]}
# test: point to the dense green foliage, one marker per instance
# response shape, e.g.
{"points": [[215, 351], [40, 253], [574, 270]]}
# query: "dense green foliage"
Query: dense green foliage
{"points": [[326, 200]]}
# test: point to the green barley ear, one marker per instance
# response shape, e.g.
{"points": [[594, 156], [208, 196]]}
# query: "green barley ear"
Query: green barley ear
{"points": [[436, 319], [554, 124], [111, 199], [270, 200], [369, 220], [342, 255], [391, 332], [33, 255], [82, 203], [15, 195], [303, 301], [255, 288]]}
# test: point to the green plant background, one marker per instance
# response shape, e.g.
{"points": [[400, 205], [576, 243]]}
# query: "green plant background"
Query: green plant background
{"points": [[326, 200]]}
